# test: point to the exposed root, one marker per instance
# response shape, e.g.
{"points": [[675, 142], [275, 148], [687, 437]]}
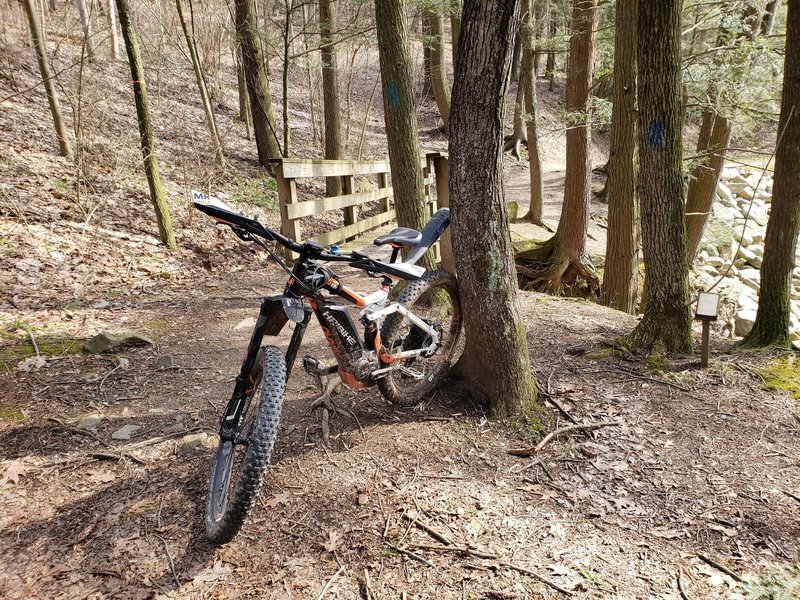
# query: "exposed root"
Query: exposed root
{"points": [[545, 269], [328, 406]]}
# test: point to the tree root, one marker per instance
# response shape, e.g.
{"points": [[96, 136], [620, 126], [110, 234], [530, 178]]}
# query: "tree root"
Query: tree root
{"points": [[328, 406], [546, 269]]}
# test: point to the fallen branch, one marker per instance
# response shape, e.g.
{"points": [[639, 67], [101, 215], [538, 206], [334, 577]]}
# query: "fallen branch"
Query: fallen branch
{"points": [[567, 428], [413, 555], [330, 583], [415, 520], [684, 595], [720, 567], [536, 576], [791, 495]]}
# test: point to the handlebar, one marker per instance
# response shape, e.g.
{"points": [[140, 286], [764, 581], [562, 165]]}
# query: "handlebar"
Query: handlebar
{"points": [[222, 213]]}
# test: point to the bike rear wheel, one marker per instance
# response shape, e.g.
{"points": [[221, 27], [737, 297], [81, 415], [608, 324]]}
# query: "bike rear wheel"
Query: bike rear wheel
{"points": [[240, 463], [433, 298]]}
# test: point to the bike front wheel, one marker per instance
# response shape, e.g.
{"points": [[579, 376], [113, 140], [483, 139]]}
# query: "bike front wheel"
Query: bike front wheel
{"points": [[240, 463], [434, 299]]}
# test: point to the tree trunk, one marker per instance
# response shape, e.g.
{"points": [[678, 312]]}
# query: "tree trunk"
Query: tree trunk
{"points": [[666, 323], [768, 23], [64, 146], [561, 265], [621, 277], [244, 101], [257, 83], [211, 122], [516, 58], [145, 128], [400, 115], [112, 25], [550, 62], [455, 27], [86, 20], [712, 145], [528, 83], [496, 358], [780, 243], [427, 82], [441, 86], [330, 91]]}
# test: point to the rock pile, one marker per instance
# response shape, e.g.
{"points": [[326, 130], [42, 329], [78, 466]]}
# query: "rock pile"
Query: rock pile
{"points": [[732, 250]]}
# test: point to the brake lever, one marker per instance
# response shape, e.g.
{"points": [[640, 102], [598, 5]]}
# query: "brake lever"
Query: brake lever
{"points": [[243, 234]]}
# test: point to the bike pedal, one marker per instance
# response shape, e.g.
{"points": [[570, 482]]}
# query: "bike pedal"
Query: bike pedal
{"points": [[313, 367]]}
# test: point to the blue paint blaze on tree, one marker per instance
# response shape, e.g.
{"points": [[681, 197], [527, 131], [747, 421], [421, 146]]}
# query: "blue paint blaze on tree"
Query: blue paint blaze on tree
{"points": [[393, 94], [656, 133]]}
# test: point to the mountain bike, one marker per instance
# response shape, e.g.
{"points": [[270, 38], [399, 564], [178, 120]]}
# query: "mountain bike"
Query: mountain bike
{"points": [[405, 346]]}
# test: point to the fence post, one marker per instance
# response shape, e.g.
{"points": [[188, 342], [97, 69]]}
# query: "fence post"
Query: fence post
{"points": [[287, 195], [350, 212], [441, 169]]}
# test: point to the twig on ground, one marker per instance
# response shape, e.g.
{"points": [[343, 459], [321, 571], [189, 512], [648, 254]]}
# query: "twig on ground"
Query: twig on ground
{"points": [[460, 549], [413, 555], [33, 341], [684, 595], [536, 576], [643, 378], [720, 567], [791, 495], [415, 520], [330, 583], [107, 375], [567, 428], [563, 410], [171, 562]]}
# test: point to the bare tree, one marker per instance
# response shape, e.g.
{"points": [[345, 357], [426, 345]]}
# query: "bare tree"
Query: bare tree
{"points": [[163, 218], [64, 146], [84, 11], [330, 90], [211, 122]]}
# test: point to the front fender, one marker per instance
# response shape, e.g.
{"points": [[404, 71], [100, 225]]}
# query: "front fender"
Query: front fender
{"points": [[277, 310]]}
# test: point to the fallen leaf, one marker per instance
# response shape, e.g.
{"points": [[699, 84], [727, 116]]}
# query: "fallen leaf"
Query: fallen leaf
{"points": [[282, 498], [334, 540], [13, 472], [102, 476]]}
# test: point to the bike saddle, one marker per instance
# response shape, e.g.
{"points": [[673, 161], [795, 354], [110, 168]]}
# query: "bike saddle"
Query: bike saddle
{"points": [[400, 236]]}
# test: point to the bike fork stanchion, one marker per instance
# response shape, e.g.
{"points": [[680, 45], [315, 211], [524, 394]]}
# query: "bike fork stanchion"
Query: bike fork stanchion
{"points": [[297, 339]]}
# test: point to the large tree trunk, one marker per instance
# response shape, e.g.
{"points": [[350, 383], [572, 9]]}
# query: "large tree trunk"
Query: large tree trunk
{"points": [[244, 101], [145, 127], [496, 359], [400, 115], [528, 83], [621, 278], [780, 244], [550, 61], [768, 23], [561, 265], [64, 146], [441, 86], [666, 324], [211, 122], [712, 144], [330, 91], [257, 83]]}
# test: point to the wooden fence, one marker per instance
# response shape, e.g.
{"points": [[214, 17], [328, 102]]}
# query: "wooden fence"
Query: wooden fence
{"points": [[289, 170]]}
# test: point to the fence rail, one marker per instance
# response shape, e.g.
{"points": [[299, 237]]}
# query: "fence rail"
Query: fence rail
{"points": [[289, 170]]}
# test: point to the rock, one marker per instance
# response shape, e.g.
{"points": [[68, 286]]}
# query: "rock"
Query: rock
{"points": [[724, 193], [91, 421], [751, 278], [192, 441], [747, 301], [711, 250], [747, 193], [743, 322], [247, 323], [729, 172], [105, 342], [759, 215], [764, 196], [750, 257], [715, 261], [758, 237], [165, 361], [725, 214], [702, 256], [125, 432]]}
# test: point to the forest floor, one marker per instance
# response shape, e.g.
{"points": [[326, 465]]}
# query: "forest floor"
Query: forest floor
{"points": [[691, 487]]}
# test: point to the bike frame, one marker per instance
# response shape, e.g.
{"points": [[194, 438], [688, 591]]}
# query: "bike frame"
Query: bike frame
{"points": [[353, 354]]}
